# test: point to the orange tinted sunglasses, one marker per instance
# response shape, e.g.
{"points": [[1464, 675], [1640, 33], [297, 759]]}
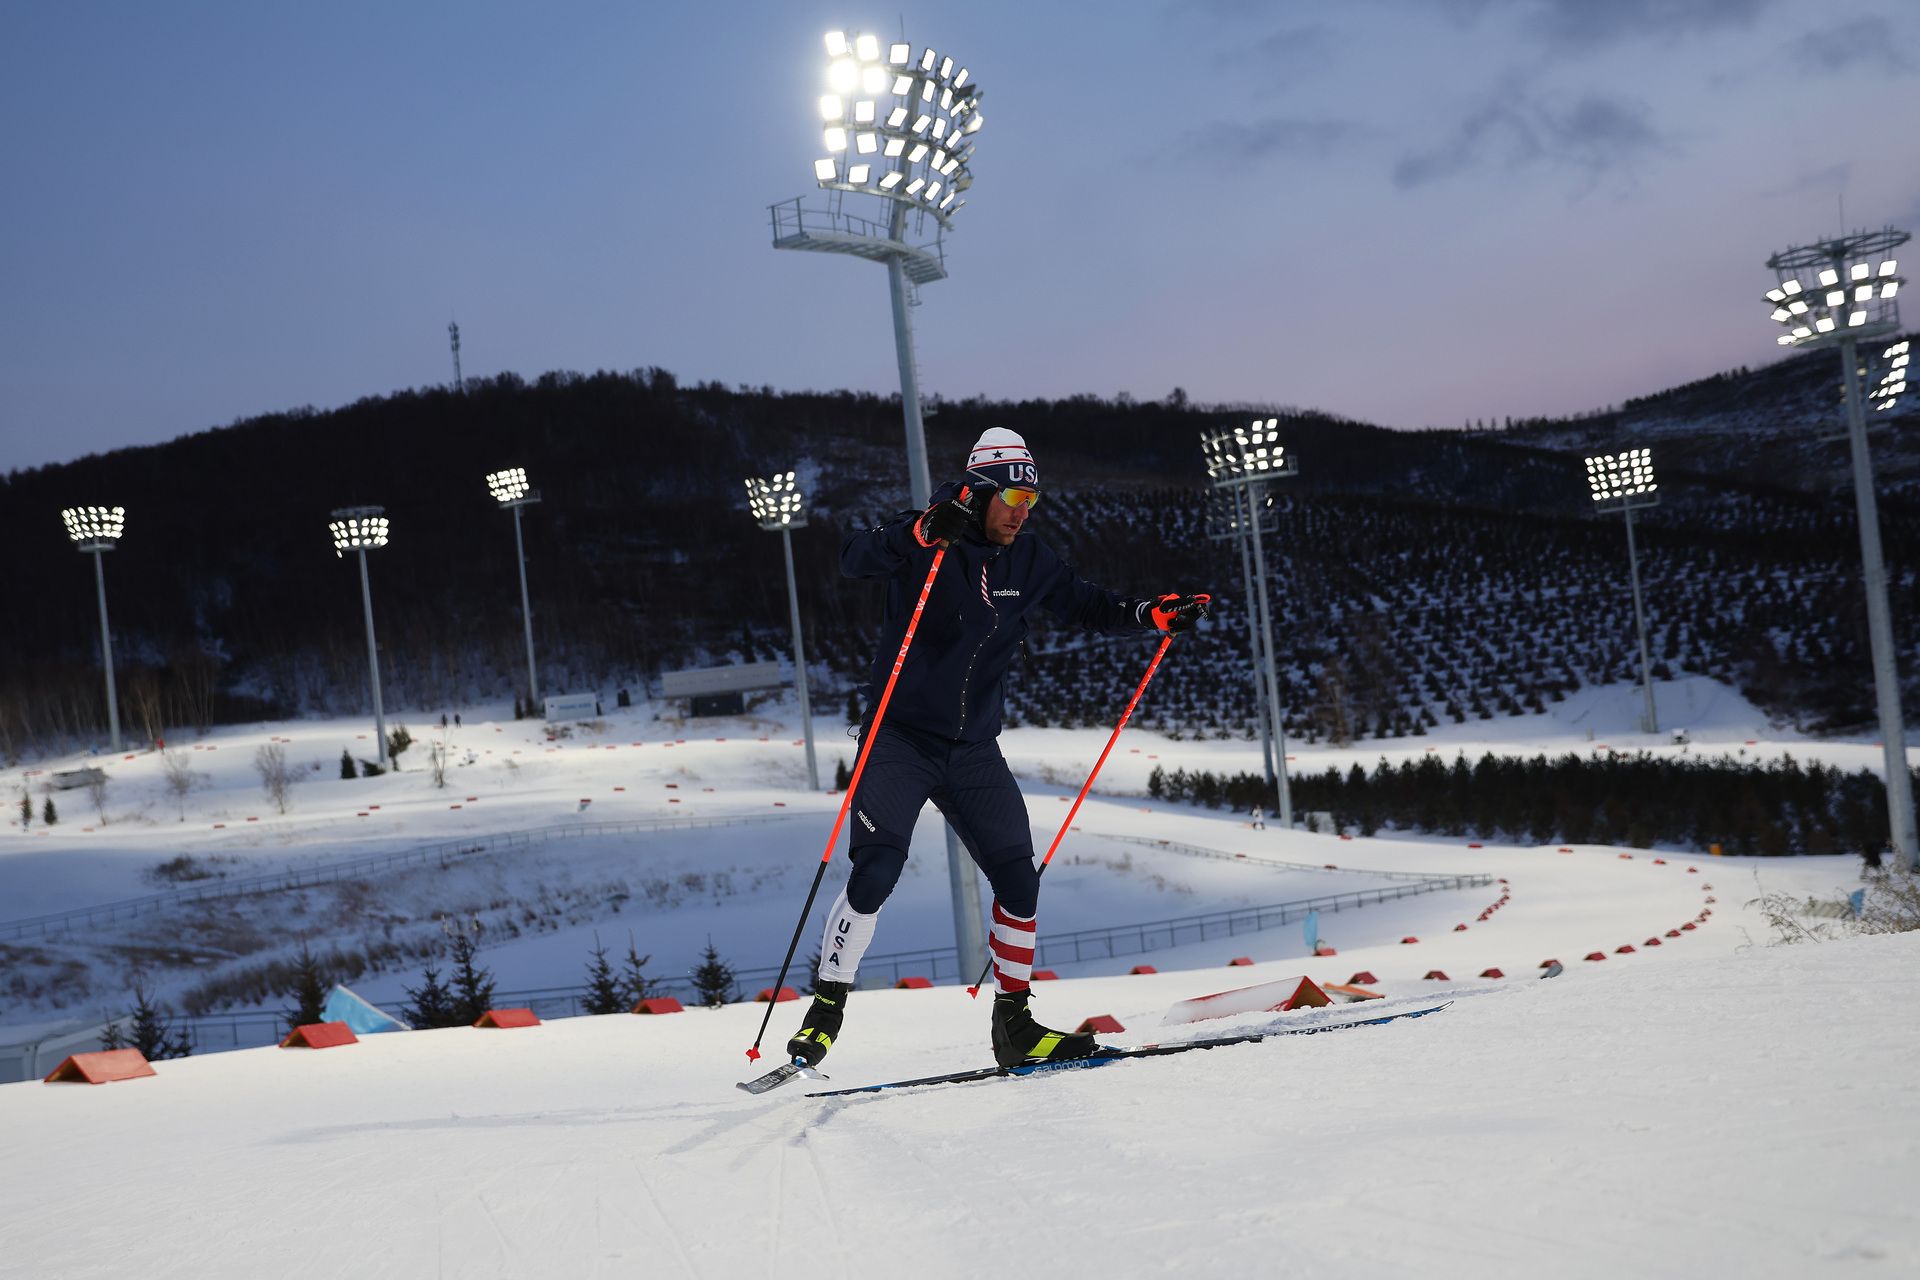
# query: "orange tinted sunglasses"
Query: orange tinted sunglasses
{"points": [[1028, 498]]}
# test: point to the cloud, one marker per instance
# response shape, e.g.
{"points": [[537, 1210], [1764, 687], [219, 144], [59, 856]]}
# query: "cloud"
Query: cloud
{"points": [[1594, 135], [1864, 44], [1584, 26], [1247, 142], [1833, 178]]}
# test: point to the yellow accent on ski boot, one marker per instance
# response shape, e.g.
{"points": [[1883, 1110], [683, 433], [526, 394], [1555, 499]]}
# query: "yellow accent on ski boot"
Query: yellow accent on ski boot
{"points": [[816, 1035], [1018, 1039]]}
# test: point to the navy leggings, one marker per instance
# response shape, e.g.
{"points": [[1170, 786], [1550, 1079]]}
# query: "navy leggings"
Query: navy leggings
{"points": [[970, 784]]}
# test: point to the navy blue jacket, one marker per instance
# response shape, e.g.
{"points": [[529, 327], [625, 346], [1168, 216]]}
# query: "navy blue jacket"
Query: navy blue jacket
{"points": [[954, 678]]}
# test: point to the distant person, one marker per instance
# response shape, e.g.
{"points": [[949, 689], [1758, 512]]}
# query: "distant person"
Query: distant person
{"points": [[1259, 816], [939, 740]]}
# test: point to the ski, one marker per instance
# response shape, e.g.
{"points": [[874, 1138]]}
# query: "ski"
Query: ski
{"points": [[1105, 1056], [778, 1076]]}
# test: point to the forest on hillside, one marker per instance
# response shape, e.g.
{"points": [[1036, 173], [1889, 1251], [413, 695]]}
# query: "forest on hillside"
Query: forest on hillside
{"points": [[1415, 575]]}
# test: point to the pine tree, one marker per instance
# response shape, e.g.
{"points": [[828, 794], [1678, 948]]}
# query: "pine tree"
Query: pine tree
{"points": [[432, 1003], [634, 983], [603, 989], [151, 1033], [348, 772], [308, 991], [472, 985], [49, 814], [811, 985], [26, 811], [713, 980], [842, 776]]}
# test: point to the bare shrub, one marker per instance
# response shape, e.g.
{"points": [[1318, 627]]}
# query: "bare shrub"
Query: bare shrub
{"points": [[181, 777], [437, 763], [276, 775], [1892, 902], [97, 792]]}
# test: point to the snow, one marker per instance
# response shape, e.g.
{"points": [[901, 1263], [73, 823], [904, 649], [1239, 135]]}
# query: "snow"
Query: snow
{"points": [[1723, 1114], [1713, 1105]]}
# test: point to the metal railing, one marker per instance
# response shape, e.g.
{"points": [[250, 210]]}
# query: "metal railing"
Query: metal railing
{"points": [[369, 864], [941, 964]]}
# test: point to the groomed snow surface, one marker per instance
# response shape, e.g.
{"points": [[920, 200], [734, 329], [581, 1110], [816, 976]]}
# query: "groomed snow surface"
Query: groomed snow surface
{"points": [[1714, 1106]]}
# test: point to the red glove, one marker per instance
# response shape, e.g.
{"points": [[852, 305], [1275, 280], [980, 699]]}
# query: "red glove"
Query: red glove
{"points": [[1174, 613]]}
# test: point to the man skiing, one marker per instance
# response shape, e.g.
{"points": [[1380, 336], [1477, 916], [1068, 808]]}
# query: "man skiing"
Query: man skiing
{"points": [[939, 739]]}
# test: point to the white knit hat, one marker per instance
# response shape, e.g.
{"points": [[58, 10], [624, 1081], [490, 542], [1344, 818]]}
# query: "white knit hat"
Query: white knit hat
{"points": [[1001, 458]]}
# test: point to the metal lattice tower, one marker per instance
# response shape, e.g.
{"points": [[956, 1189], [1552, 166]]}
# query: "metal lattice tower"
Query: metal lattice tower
{"points": [[453, 336]]}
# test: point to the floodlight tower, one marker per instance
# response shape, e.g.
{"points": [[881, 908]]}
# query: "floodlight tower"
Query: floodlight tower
{"points": [[1839, 293], [98, 529], [1221, 525], [1249, 458], [360, 529], [1624, 482], [453, 336], [898, 132], [510, 489], [777, 504]]}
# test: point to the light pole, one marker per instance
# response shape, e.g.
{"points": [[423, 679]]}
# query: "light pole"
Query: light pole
{"points": [[778, 506], [510, 489], [98, 529], [898, 131], [1247, 458], [1841, 292], [358, 529], [1624, 482], [1221, 525]]}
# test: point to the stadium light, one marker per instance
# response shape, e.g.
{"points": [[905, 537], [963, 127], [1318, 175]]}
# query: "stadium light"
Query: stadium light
{"points": [[511, 489], [779, 507], [360, 530], [1247, 458], [908, 101], [1846, 267], [98, 529], [1624, 482]]}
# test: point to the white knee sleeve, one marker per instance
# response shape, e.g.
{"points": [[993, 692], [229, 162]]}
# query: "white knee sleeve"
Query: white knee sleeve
{"points": [[845, 940]]}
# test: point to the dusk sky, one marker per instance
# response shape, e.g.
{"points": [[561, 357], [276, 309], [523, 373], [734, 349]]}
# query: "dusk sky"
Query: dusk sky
{"points": [[1411, 212]]}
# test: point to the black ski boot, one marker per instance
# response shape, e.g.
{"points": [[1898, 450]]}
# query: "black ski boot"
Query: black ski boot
{"points": [[815, 1036], [1018, 1039]]}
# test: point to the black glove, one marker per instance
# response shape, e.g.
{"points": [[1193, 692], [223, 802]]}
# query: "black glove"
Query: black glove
{"points": [[945, 521], [1173, 612]]}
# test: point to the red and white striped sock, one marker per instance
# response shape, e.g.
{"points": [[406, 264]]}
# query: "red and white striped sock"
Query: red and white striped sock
{"points": [[1012, 947]]}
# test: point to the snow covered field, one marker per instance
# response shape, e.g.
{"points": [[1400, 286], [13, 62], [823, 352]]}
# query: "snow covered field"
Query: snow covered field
{"points": [[1711, 1105]]}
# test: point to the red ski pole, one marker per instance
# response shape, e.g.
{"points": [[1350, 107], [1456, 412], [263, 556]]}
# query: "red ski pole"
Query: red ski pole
{"points": [[1114, 737], [859, 766]]}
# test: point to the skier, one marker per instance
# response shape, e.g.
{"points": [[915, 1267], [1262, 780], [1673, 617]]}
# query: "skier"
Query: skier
{"points": [[1259, 816], [939, 739]]}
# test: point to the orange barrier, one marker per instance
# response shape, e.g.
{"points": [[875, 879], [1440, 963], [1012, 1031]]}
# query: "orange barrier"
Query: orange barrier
{"points": [[1102, 1024], [658, 1004], [507, 1018], [778, 997], [320, 1035], [102, 1067]]}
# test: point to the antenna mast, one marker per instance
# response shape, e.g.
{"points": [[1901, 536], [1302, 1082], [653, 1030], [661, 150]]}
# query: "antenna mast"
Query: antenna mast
{"points": [[453, 336]]}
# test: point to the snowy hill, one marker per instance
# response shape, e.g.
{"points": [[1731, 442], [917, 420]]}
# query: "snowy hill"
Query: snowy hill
{"points": [[671, 833]]}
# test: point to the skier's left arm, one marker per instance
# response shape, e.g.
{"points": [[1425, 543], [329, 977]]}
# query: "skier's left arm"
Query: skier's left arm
{"points": [[1072, 598]]}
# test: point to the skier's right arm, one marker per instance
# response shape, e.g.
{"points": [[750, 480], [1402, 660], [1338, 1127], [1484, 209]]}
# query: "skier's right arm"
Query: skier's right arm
{"points": [[881, 550]]}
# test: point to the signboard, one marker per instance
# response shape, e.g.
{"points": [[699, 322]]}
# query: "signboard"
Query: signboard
{"points": [[572, 706], [734, 679]]}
